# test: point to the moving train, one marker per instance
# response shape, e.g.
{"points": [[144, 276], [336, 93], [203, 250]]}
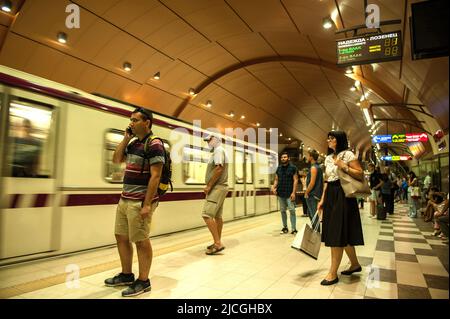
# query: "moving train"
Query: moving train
{"points": [[59, 187]]}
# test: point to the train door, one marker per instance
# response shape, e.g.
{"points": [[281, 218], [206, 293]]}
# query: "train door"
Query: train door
{"points": [[244, 187], [27, 182]]}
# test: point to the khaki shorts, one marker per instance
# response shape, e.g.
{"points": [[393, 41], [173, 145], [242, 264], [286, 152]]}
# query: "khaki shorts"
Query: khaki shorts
{"points": [[213, 206], [129, 221]]}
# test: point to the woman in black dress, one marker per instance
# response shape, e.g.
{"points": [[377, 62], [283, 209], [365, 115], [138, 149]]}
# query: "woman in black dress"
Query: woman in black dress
{"points": [[341, 229]]}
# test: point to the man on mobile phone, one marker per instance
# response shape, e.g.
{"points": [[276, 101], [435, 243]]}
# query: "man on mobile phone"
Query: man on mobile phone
{"points": [[138, 201]]}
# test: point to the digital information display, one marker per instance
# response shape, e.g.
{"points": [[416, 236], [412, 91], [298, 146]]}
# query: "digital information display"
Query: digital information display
{"points": [[396, 158], [400, 138], [371, 48]]}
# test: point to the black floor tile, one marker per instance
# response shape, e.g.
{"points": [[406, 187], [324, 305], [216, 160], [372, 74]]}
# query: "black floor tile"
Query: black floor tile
{"points": [[436, 282], [409, 232], [385, 245], [424, 252], [388, 275], [412, 292], [405, 257]]}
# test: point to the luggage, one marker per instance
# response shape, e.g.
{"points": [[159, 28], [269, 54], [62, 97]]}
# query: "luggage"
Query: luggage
{"points": [[381, 212]]}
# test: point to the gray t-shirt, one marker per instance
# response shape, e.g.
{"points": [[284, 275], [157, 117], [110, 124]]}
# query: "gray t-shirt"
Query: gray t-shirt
{"points": [[218, 157]]}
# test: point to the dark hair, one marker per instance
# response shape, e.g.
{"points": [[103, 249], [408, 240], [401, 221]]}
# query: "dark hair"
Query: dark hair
{"points": [[284, 153], [145, 113], [314, 154], [413, 175], [341, 142]]}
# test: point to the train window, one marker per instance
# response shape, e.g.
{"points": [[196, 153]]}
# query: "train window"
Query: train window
{"points": [[31, 139], [195, 162], [243, 169], [114, 172]]}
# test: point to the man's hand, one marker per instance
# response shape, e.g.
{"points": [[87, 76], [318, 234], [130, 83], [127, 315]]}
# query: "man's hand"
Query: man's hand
{"points": [[274, 190], [145, 212], [207, 189], [306, 195], [292, 197]]}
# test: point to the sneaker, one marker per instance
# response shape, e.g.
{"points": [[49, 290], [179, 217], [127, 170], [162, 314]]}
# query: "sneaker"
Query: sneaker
{"points": [[284, 230], [138, 287], [120, 280], [294, 232]]}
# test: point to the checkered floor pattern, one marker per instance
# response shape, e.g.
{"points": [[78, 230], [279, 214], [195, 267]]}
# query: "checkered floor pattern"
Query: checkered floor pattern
{"points": [[409, 262]]}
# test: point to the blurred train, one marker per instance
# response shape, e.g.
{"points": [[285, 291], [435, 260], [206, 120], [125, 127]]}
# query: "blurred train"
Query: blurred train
{"points": [[59, 187]]}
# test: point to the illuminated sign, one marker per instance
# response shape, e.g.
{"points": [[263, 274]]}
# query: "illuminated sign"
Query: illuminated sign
{"points": [[395, 158], [382, 139], [400, 138], [370, 48]]}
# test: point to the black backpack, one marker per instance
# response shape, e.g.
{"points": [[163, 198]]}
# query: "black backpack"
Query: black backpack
{"points": [[166, 174]]}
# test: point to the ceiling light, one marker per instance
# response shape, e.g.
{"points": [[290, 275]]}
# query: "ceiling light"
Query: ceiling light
{"points": [[349, 70], [6, 6], [327, 23], [191, 91], [258, 124], [353, 88], [242, 117], [281, 134], [208, 103], [231, 114], [358, 103], [269, 130], [288, 138], [357, 83], [127, 66], [62, 37], [157, 76]]}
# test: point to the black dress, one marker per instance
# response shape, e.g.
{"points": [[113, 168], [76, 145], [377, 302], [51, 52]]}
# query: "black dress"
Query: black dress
{"points": [[341, 222]]}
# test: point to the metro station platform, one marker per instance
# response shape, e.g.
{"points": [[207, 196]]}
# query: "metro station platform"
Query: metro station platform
{"points": [[401, 259]]}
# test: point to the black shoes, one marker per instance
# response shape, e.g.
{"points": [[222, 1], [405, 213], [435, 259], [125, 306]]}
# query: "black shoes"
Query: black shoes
{"points": [[329, 282], [138, 287], [349, 272], [284, 230], [120, 280], [294, 232]]}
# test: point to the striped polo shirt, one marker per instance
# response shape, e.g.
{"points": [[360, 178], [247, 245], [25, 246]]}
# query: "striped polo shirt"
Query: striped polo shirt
{"points": [[136, 178]]}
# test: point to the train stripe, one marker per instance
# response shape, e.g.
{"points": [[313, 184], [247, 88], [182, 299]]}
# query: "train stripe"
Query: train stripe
{"points": [[45, 200]]}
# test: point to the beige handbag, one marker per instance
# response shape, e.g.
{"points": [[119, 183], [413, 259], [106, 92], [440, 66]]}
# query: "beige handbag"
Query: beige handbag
{"points": [[353, 187], [308, 240]]}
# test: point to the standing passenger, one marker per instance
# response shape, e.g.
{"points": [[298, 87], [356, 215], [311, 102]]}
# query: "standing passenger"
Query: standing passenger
{"points": [[375, 186], [314, 182], [216, 190], [138, 201], [285, 187], [341, 228]]}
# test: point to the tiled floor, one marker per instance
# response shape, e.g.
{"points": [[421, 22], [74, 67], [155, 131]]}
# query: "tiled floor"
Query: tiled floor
{"points": [[401, 259]]}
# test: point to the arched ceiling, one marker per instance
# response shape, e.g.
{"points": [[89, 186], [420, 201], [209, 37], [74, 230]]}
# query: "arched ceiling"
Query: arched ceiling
{"points": [[269, 60]]}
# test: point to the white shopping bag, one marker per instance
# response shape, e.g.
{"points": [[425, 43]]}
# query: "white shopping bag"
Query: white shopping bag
{"points": [[308, 240]]}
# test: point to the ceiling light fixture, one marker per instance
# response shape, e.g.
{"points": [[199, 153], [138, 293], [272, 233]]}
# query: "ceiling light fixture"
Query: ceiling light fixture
{"points": [[258, 124], [62, 37], [327, 22], [353, 88], [281, 134], [6, 6], [367, 116], [242, 117], [127, 66], [357, 83], [208, 103], [349, 70], [231, 114], [191, 91], [157, 76]]}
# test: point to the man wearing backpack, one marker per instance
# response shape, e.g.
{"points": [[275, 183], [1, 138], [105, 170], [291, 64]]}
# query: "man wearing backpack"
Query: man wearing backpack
{"points": [[216, 190], [145, 157]]}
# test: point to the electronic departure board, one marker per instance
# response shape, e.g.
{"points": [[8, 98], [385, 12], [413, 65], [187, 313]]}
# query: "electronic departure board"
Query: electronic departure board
{"points": [[371, 48]]}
